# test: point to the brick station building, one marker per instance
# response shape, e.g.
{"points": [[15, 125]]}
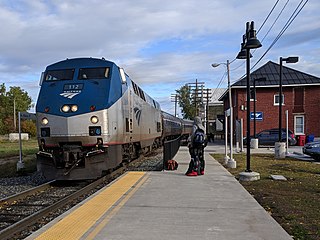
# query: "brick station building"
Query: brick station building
{"points": [[300, 91]]}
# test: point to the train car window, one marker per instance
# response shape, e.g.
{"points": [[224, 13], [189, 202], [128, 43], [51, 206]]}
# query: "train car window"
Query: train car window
{"points": [[135, 89], [141, 93], [56, 75], [93, 73]]}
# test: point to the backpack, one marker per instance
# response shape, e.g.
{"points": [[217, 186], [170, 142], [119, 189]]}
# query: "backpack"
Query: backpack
{"points": [[199, 138]]}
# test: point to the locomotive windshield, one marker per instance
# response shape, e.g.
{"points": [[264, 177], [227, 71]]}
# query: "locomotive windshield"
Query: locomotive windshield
{"points": [[55, 75], [93, 73]]}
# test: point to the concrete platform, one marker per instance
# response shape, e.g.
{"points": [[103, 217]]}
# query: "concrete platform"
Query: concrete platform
{"points": [[170, 205]]}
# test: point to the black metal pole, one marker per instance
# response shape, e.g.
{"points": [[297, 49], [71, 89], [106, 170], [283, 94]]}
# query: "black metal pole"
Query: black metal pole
{"points": [[248, 110], [280, 101], [254, 107]]}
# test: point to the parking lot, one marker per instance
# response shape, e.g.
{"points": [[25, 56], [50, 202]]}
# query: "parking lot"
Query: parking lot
{"points": [[293, 151]]}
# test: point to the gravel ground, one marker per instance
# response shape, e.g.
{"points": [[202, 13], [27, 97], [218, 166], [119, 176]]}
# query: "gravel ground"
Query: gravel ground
{"points": [[13, 185]]}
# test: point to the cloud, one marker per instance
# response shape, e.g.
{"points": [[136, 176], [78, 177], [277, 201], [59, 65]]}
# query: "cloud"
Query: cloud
{"points": [[157, 42]]}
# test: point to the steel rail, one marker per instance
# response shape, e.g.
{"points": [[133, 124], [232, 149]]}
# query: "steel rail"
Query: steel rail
{"points": [[17, 227], [24, 194]]}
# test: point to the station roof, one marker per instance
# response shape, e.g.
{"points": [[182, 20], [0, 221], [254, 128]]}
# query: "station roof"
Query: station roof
{"points": [[271, 72]]}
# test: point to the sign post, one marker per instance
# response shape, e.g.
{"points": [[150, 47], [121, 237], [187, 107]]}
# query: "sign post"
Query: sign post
{"points": [[20, 163], [22, 115]]}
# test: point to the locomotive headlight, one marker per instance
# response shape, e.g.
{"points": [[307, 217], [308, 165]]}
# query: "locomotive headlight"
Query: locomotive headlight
{"points": [[65, 108], [44, 121], [74, 108], [94, 119]]}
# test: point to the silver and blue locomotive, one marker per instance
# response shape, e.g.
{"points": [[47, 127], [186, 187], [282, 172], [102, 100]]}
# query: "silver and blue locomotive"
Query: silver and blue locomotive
{"points": [[91, 116]]}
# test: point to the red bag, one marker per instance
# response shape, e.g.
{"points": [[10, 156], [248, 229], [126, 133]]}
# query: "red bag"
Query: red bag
{"points": [[171, 165]]}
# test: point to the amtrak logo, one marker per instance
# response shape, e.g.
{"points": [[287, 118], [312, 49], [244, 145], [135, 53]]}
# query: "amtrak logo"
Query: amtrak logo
{"points": [[137, 111], [69, 94]]}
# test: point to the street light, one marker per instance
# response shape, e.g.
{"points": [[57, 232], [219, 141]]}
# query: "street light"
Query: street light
{"points": [[279, 147], [231, 162], [287, 60], [250, 41]]}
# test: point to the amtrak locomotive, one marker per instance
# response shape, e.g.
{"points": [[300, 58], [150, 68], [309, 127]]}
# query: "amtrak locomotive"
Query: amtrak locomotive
{"points": [[91, 116]]}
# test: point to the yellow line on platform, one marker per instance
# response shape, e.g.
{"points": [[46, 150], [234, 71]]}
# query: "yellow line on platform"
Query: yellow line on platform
{"points": [[114, 211], [78, 222]]}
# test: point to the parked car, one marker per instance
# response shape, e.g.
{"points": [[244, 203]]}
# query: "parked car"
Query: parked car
{"points": [[271, 136], [312, 149]]}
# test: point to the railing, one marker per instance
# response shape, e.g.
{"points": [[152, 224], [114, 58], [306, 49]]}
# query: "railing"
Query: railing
{"points": [[170, 149]]}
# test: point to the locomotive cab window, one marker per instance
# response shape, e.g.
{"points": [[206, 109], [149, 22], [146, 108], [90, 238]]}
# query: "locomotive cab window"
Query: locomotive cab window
{"points": [[93, 73], [56, 75]]}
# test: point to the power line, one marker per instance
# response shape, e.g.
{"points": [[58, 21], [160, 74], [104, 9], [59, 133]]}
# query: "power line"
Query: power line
{"points": [[285, 27], [268, 16], [274, 22], [272, 9]]}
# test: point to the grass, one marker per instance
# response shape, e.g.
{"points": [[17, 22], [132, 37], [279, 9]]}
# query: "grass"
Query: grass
{"points": [[294, 203], [9, 155], [11, 149]]}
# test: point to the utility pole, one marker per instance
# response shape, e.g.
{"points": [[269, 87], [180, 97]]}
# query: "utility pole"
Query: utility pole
{"points": [[174, 98], [14, 115], [206, 97], [197, 87]]}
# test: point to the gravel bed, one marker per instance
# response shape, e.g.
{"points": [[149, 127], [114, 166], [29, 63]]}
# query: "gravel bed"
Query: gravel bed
{"points": [[13, 185], [153, 162], [10, 186]]}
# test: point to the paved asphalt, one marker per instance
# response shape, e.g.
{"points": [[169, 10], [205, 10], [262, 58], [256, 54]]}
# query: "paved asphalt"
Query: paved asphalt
{"points": [[218, 146]]}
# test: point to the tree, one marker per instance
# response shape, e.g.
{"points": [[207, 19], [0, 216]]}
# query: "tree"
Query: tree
{"points": [[185, 102], [22, 100], [28, 126]]}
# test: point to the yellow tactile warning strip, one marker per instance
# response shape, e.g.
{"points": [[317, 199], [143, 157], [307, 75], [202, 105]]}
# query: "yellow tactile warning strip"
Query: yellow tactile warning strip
{"points": [[78, 222], [107, 218]]}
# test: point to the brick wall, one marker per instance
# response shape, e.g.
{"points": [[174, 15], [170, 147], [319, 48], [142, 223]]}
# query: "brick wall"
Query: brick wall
{"points": [[265, 104]]}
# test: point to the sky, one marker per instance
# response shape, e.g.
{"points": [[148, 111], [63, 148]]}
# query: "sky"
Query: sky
{"points": [[162, 45]]}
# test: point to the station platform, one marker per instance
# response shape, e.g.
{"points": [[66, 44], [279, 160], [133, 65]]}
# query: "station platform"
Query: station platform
{"points": [[168, 205]]}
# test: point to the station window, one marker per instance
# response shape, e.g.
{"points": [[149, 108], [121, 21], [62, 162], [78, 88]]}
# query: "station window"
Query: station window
{"points": [[299, 124], [276, 99]]}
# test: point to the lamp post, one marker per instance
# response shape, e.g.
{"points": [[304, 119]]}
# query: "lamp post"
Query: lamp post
{"points": [[287, 60], [255, 144], [231, 162], [279, 147], [250, 41]]}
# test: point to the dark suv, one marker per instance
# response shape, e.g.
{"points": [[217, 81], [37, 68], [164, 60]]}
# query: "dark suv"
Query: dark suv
{"points": [[271, 136]]}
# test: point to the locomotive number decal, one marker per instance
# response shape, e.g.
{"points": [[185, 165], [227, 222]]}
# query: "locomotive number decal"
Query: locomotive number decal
{"points": [[71, 90]]}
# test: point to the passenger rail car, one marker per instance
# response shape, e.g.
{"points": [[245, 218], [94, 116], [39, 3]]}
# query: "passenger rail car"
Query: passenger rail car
{"points": [[91, 116]]}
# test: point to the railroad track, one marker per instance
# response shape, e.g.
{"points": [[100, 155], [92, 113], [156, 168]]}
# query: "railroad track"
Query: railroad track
{"points": [[23, 210], [19, 213]]}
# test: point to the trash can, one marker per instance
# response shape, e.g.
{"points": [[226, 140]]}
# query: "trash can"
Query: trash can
{"points": [[301, 140], [310, 138]]}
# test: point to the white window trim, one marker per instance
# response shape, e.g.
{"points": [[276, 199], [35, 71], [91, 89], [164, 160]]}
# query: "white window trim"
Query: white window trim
{"points": [[295, 124], [253, 99], [276, 103]]}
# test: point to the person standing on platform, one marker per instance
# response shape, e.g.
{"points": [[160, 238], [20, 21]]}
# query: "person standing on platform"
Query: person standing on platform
{"points": [[196, 143]]}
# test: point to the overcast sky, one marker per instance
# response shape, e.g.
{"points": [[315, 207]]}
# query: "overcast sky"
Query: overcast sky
{"points": [[162, 45]]}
